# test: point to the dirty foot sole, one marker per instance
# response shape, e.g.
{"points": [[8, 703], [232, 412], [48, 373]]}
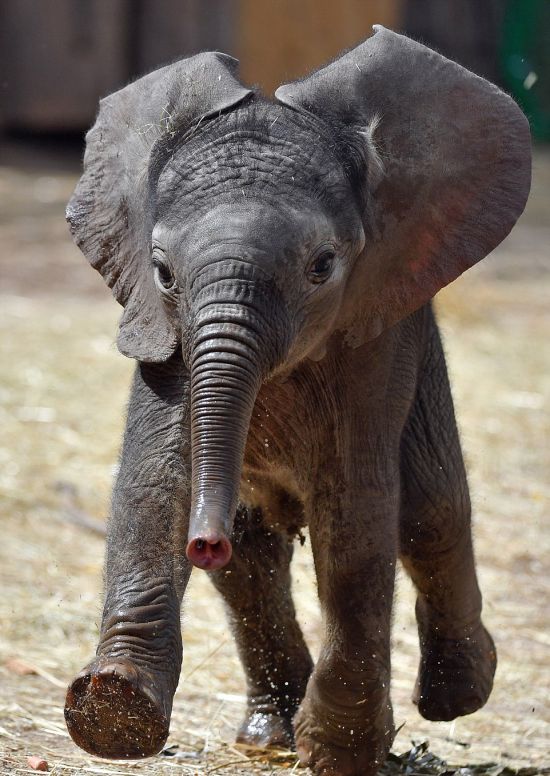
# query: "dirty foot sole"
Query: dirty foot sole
{"points": [[110, 712]]}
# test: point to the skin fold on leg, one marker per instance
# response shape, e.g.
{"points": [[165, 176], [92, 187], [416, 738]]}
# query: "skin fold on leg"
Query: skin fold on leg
{"points": [[119, 706], [256, 590], [458, 658]]}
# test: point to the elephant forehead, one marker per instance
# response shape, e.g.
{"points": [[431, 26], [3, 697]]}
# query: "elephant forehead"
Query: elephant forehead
{"points": [[254, 161], [256, 229]]}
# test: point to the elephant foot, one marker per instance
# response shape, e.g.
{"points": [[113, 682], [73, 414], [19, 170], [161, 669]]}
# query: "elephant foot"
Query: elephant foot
{"points": [[355, 753], [455, 676], [266, 730], [113, 710]]}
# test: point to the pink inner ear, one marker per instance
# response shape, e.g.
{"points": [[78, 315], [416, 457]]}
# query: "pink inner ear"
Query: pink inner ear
{"points": [[429, 246], [424, 251]]}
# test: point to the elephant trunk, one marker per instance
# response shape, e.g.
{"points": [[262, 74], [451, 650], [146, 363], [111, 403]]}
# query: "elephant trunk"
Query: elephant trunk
{"points": [[227, 366]]}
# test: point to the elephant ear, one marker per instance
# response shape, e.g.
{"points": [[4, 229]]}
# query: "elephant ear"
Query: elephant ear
{"points": [[456, 154], [111, 211]]}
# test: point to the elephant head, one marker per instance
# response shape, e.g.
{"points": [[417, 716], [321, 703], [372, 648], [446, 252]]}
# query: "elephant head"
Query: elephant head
{"points": [[246, 232]]}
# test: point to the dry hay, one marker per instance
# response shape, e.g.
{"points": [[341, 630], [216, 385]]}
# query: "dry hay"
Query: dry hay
{"points": [[62, 398]]}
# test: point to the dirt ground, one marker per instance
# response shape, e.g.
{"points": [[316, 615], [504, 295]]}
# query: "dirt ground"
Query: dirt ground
{"points": [[63, 388]]}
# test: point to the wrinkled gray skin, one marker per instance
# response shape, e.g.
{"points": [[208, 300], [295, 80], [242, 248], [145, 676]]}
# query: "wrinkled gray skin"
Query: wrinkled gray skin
{"points": [[276, 262]]}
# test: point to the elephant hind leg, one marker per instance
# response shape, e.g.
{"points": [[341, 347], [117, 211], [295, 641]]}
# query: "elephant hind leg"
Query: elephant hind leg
{"points": [[256, 590], [458, 658]]}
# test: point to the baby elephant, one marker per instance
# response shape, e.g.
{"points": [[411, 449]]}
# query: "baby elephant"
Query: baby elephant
{"points": [[275, 261]]}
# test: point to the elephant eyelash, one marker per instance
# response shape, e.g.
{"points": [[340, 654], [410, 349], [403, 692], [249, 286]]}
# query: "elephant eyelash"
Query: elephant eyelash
{"points": [[164, 277], [320, 269]]}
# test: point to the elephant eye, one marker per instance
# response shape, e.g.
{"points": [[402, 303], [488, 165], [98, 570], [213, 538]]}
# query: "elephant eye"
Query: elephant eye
{"points": [[164, 277], [320, 268]]}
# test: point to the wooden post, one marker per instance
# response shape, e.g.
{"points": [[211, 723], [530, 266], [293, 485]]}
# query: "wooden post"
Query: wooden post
{"points": [[281, 40]]}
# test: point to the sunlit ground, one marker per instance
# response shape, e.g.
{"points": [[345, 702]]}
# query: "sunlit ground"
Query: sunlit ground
{"points": [[63, 388]]}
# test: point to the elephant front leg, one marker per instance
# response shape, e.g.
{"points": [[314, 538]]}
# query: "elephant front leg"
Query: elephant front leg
{"points": [[119, 706], [345, 724]]}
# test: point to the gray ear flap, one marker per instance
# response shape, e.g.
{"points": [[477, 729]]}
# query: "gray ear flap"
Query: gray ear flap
{"points": [[110, 212], [457, 167]]}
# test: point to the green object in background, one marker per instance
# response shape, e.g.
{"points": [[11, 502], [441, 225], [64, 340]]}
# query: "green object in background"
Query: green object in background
{"points": [[525, 60]]}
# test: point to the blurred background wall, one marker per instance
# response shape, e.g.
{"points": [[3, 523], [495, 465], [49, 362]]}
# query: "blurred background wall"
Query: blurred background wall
{"points": [[58, 57]]}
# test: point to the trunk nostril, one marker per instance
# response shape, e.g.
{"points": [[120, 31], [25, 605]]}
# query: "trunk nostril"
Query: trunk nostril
{"points": [[209, 553]]}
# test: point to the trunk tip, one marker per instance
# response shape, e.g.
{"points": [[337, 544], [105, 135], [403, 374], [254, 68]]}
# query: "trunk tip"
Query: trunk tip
{"points": [[209, 552]]}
